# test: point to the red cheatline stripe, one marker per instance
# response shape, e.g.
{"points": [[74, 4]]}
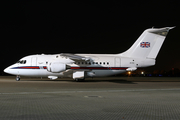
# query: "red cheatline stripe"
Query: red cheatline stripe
{"points": [[29, 67], [75, 68], [44, 67]]}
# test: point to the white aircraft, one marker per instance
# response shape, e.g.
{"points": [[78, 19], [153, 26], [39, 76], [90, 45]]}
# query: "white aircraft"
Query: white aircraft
{"points": [[79, 66]]}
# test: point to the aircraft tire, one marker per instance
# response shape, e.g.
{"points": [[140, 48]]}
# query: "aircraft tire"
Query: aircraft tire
{"points": [[17, 78], [79, 80]]}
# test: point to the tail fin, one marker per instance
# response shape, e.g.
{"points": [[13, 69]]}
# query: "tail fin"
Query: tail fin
{"points": [[148, 44]]}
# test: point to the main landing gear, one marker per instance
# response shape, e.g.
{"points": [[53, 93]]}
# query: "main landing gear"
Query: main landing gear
{"points": [[79, 80], [18, 78]]}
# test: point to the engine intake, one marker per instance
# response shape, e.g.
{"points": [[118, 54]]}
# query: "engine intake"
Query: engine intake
{"points": [[56, 67]]}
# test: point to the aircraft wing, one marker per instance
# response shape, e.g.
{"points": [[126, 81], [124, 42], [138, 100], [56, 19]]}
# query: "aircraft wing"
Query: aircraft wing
{"points": [[68, 72], [74, 57]]}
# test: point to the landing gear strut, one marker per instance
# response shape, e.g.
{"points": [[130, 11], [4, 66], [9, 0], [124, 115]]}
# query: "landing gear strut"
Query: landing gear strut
{"points": [[18, 78]]}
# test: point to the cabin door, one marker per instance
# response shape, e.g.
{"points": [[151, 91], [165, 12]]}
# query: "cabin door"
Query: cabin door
{"points": [[33, 61], [117, 62]]}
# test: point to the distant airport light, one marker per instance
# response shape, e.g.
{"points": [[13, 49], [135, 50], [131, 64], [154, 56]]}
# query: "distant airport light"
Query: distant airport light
{"points": [[142, 72]]}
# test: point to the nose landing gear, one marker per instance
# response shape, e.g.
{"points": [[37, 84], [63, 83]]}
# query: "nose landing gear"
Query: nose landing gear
{"points": [[18, 78]]}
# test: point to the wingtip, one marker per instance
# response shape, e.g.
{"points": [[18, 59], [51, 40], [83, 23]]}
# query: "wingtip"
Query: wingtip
{"points": [[169, 28], [164, 28]]}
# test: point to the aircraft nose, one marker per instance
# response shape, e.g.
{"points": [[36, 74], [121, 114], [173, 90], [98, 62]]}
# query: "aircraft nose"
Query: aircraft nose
{"points": [[10, 70], [6, 70]]}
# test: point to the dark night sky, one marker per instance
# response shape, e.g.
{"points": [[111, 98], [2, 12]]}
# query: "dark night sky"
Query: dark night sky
{"points": [[90, 26]]}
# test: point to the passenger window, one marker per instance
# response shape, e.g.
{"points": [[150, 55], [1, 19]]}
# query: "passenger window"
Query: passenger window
{"points": [[107, 63], [100, 62], [104, 63]]}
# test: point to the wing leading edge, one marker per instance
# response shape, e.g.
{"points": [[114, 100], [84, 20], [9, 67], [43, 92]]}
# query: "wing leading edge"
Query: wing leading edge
{"points": [[74, 57]]}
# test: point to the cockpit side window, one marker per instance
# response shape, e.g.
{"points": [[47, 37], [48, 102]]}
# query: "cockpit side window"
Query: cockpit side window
{"points": [[21, 61]]}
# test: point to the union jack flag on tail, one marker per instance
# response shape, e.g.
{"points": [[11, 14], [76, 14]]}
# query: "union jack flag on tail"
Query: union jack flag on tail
{"points": [[145, 44]]}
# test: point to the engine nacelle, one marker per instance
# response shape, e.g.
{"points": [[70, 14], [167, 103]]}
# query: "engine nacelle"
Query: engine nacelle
{"points": [[56, 67]]}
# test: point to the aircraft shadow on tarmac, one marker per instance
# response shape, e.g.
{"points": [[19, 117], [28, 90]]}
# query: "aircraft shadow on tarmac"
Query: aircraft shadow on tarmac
{"points": [[111, 79], [121, 81]]}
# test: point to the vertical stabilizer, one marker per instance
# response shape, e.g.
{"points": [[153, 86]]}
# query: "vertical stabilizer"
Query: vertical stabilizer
{"points": [[148, 44]]}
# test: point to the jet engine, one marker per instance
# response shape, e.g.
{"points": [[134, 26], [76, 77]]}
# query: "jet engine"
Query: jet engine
{"points": [[56, 67]]}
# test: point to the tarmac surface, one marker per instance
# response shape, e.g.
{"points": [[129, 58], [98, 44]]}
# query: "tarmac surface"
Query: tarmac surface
{"points": [[115, 98]]}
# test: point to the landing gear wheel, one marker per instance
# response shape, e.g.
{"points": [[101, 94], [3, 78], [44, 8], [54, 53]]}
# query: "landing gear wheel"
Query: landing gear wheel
{"points": [[18, 78], [79, 80]]}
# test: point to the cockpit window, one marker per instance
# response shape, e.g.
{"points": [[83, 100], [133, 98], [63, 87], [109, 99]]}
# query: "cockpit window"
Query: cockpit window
{"points": [[21, 61]]}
